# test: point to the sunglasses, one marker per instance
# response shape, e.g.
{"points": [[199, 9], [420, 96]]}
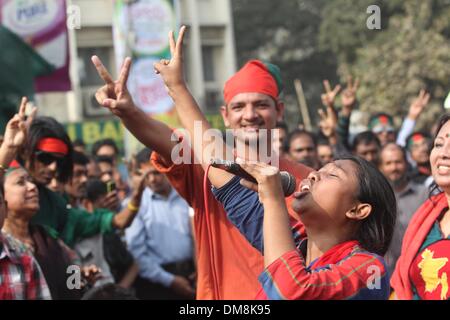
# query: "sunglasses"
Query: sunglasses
{"points": [[48, 158]]}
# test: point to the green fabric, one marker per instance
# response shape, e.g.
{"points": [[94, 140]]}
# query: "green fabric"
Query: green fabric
{"points": [[19, 65], [432, 237], [82, 224], [72, 224], [274, 70]]}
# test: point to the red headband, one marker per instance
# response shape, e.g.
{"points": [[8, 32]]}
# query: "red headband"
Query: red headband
{"points": [[53, 145], [253, 77]]}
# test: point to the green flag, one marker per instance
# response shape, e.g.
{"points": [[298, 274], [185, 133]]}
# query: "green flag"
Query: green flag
{"points": [[19, 65]]}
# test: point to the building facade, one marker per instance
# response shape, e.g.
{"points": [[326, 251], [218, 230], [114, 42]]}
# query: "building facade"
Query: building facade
{"points": [[209, 55]]}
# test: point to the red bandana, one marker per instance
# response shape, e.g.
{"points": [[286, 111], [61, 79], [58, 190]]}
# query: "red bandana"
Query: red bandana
{"points": [[253, 77], [52, 145]]}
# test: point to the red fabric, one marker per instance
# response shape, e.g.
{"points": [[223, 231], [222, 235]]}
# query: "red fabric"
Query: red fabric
{"points": [[227, 265], [52, 145], [253, 77], [429, 271], [347, 273], [415, 235], [14, 164], [335, 254]]}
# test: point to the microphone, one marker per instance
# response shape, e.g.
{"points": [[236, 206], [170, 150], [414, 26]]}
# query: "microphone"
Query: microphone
{"points": [[287, 180]]}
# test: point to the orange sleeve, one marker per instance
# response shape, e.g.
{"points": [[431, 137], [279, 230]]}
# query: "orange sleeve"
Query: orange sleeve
{"points": [[187, 179]]}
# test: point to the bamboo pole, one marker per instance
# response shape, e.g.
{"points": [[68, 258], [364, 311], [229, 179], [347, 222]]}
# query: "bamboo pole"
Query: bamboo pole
{"points": [[302, 104]]}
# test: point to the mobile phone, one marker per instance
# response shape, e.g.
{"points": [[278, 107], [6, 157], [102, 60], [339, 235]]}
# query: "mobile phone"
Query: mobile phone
{"points": [[110, 186]]}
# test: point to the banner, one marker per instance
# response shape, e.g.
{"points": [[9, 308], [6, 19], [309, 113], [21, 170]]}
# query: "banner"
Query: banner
{"points": [[92, 131], [42, 25], [149, 21], [140, 30]]}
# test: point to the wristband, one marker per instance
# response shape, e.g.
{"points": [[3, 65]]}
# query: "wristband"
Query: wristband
{"points": [[131, 207]]}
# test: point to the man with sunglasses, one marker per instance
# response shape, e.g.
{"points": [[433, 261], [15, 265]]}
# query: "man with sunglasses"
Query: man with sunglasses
{"points": [[48, 153]]}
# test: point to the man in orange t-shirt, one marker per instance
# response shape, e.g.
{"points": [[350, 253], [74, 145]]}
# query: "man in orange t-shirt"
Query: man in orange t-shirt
{"points": [[227, 265]]}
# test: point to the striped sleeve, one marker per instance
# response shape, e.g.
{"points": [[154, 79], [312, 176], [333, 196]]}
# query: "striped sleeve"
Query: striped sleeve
{"points": [[359, 276]]}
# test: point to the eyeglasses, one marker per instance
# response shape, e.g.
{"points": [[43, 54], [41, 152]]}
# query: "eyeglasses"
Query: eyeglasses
{"points": [[48, 158]]}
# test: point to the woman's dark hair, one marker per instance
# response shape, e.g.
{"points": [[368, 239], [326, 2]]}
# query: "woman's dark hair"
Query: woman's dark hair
{"points": [[375, 232], [47, 127], [104, 142], [434, 188]]}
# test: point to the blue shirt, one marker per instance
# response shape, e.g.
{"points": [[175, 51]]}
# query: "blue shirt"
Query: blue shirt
{"points": [[160, 234]]}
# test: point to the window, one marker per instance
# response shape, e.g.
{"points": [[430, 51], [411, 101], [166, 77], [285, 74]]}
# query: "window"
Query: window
{"points": [[208, 63]]}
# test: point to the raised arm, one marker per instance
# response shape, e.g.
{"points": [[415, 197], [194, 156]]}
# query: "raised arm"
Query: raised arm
{"points": [[114, 95], [277, 231], [188, 110], [15, 135]]}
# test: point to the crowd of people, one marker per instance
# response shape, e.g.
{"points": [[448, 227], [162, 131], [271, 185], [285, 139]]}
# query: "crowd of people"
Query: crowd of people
{"points": [[369, 219]]}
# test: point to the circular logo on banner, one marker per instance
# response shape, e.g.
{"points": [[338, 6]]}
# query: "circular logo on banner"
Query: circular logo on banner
{"points": [[151, 21], [32, 17], [147, 88]]}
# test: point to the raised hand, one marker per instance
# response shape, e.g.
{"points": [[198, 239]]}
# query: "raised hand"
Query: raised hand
{"points": [[172, 70], [17, 128], [268, 178], [137, 192], [328, 121], [348, 97], [418, 104], [330, 95], [114, 95]]}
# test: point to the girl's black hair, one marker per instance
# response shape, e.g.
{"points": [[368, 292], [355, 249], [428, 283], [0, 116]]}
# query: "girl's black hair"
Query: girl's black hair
{"points": [[47, 127], [375, 232]]}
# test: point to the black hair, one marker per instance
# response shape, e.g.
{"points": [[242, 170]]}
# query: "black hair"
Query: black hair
{"points": [[104, 142], [297, 133], [80, 158], [321, 141], [78, 143], [375, 232], [95, 188], [282, 125], [47, 127], [106, 159], [143, 156], [109, 291], [365, 137]]}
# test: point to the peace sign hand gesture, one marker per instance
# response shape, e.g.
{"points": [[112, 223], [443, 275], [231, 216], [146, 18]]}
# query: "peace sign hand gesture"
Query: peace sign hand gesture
{"points": [[172, 70], [418, 104], [17, 128], [348, 97], [114, 95], [330, 95]]}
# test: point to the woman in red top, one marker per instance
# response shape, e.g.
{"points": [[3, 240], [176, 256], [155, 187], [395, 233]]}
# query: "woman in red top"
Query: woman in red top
{"points": [[424, 265]]}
